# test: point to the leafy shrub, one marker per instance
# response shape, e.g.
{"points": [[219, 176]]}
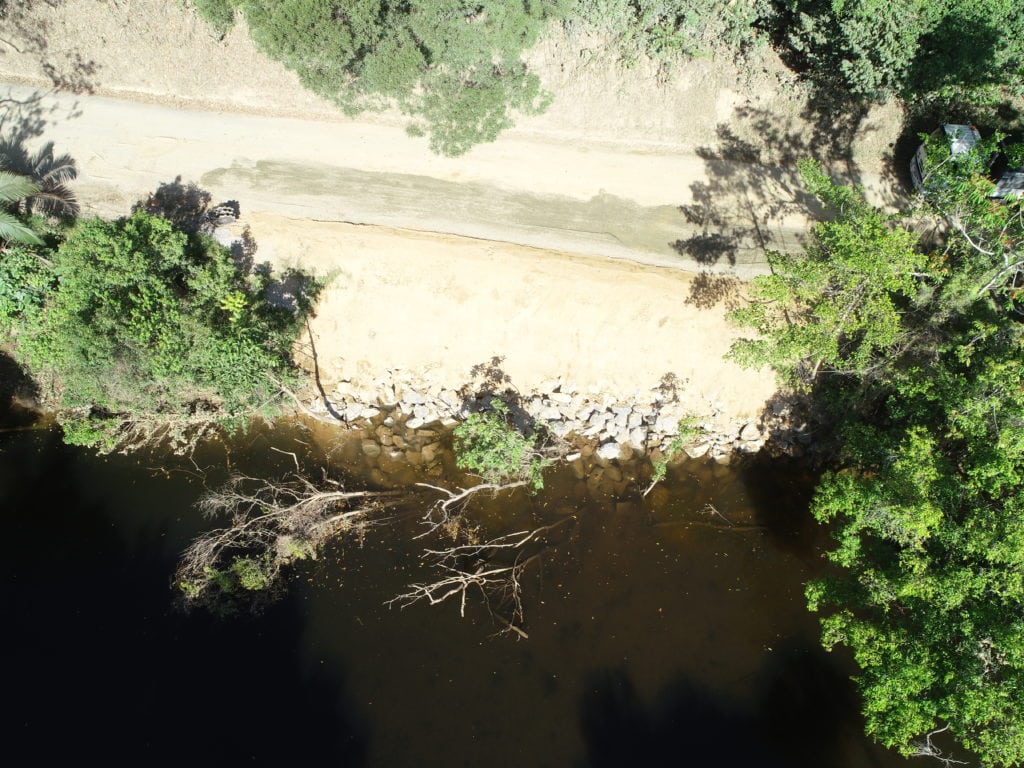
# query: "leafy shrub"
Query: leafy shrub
{"points": [[147, 327], [25, 279], [666, 29], [219, 14], [867, 46], [488, 445], [250, 574], [974, 51], [689, 431], [915, 49]]}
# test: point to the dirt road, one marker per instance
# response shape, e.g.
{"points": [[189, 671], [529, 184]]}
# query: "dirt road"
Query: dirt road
{"points": [[668, 209]]}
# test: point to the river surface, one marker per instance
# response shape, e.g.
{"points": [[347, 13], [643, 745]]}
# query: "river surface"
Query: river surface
{"points": [[661, 632]]}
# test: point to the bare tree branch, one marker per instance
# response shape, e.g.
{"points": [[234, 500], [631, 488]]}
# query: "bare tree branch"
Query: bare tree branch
{"points": [[469, 567], [272, 524], [927, 748], [452, 506]]}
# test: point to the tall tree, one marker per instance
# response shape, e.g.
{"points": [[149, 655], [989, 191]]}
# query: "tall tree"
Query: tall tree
{"points": [[925, 503], [836, 308], [454, 66]]}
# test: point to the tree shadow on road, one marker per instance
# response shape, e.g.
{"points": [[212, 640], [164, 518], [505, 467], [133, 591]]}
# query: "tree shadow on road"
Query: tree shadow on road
{"points": [[25, 118], [753, 186], [185, 205]]}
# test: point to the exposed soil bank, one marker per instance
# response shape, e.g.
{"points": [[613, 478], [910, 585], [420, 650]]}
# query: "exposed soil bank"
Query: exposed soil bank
{"points": [[434, 307]]}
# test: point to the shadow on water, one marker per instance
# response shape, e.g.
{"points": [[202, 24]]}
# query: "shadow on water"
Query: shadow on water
{"points": [[795, 718], [780, 491], [657, 634], [97, 661]]}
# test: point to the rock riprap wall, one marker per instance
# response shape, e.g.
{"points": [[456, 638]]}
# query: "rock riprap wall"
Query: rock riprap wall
{"points": [[406, 413]]}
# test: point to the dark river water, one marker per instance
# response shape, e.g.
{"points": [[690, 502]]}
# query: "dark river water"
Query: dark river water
{"points": [[661, 633]]}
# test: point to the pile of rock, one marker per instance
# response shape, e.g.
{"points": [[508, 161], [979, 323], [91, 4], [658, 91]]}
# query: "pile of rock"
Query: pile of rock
{"points": [[618, 429]]}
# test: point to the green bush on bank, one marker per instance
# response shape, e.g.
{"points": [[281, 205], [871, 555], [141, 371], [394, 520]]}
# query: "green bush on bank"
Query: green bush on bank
{"points": [[489, 445], [141, 331]]}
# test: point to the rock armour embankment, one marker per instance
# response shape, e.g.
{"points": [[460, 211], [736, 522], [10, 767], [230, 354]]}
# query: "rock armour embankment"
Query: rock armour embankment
{"points": [[410, 414]]}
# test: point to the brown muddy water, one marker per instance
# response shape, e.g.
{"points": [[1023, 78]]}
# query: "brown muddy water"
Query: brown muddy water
{"points": [[661, 633]]}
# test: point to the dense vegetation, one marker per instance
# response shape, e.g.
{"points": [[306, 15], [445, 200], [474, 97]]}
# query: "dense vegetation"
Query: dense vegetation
{"points": [[137, 330], [458, 70], [454, 67], [917, 357]]}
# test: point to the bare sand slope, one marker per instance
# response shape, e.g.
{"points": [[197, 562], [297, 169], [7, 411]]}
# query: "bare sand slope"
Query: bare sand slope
{"points": [[436, 306], [442, 303]]}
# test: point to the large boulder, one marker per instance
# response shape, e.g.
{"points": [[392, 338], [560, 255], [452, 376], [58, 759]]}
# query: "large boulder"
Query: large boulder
{"points": [[638, 438], [750, 431]]}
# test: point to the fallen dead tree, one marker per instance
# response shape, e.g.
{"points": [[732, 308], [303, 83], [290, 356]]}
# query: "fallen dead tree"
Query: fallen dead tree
{"points": [[494, 568], [271, 524]]}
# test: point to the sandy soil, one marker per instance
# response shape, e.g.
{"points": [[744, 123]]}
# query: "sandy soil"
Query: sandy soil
{"points": [[613, 327], [695, 173]]}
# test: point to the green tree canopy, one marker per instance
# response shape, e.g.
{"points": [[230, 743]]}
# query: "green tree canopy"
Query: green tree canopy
{"points": [[144, 331], [836, 307], [914, 48], [930, 530], [925, 503], [454, 66]]}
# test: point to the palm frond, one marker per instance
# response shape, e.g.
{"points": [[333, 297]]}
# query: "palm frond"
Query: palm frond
{"points": [[51, 173], [14, 188], [13, 231], [56, 200], [43, 167]]}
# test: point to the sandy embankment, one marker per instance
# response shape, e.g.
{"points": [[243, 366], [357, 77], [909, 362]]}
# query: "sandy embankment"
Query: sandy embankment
{"points": [[436, 305]]}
